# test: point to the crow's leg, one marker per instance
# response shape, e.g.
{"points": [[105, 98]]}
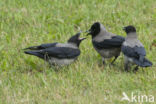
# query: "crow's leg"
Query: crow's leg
{"points": [[136, 68], [114, 59], [126, 64], [103, 60]]}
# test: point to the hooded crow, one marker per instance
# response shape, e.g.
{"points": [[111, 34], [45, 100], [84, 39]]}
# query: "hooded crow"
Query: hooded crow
{"points": [[107, 44], [58, 53], [134, 50]]}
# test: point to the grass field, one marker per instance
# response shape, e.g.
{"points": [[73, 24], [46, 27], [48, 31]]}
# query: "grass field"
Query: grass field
{"points": [[26, 79]]}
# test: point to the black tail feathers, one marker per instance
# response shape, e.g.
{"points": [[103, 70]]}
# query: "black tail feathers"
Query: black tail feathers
{"points": [[35, 53], [144, 63], [32, 48]]}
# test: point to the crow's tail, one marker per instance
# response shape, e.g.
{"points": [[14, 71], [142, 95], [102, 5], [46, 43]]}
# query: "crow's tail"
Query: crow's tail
{"points": [[35, 53], [144, 63], [32, 48]]}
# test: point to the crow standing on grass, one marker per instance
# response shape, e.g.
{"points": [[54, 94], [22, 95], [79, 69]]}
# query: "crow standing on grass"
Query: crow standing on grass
{"points": [[58, 53], [134, 50], [107, 44]]}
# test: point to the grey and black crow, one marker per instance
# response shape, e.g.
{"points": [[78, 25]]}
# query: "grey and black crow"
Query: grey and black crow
{"points": [[107, 44], [134, 50], [58, 53]]}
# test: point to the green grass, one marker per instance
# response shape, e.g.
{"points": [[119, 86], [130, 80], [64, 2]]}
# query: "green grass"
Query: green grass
{"points": [[26, 79]]}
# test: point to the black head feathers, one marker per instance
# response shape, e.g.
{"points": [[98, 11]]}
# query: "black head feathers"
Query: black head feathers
{"points": [[95, 29], [76, 39], [129, 29]]}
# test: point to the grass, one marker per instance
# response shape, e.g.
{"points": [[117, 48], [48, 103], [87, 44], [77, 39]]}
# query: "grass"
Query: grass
{"points": [[28, 80]]}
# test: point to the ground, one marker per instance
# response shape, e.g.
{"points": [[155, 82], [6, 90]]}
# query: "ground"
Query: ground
{"points": [[26, 79]]}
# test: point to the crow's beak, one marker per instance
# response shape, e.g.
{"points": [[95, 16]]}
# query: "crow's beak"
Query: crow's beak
{"points": [[82, 39], [88, 32]]}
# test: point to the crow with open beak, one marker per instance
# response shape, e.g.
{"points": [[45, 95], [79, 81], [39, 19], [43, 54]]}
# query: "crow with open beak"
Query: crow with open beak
{"points": [[58, 53]]}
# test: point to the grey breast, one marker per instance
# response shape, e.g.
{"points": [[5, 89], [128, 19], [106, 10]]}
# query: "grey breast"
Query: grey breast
{"points": [[60, 62], [108, 53]]}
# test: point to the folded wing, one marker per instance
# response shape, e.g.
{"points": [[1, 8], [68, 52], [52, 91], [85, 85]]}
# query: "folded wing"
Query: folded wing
{"points": [[137, 54], [56, 52], [42, 46], [114, 42]]}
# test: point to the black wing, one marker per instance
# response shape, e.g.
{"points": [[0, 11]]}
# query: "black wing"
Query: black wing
{"points": [[57, 52], [135, 52], [42, 46], [114, 42]]}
